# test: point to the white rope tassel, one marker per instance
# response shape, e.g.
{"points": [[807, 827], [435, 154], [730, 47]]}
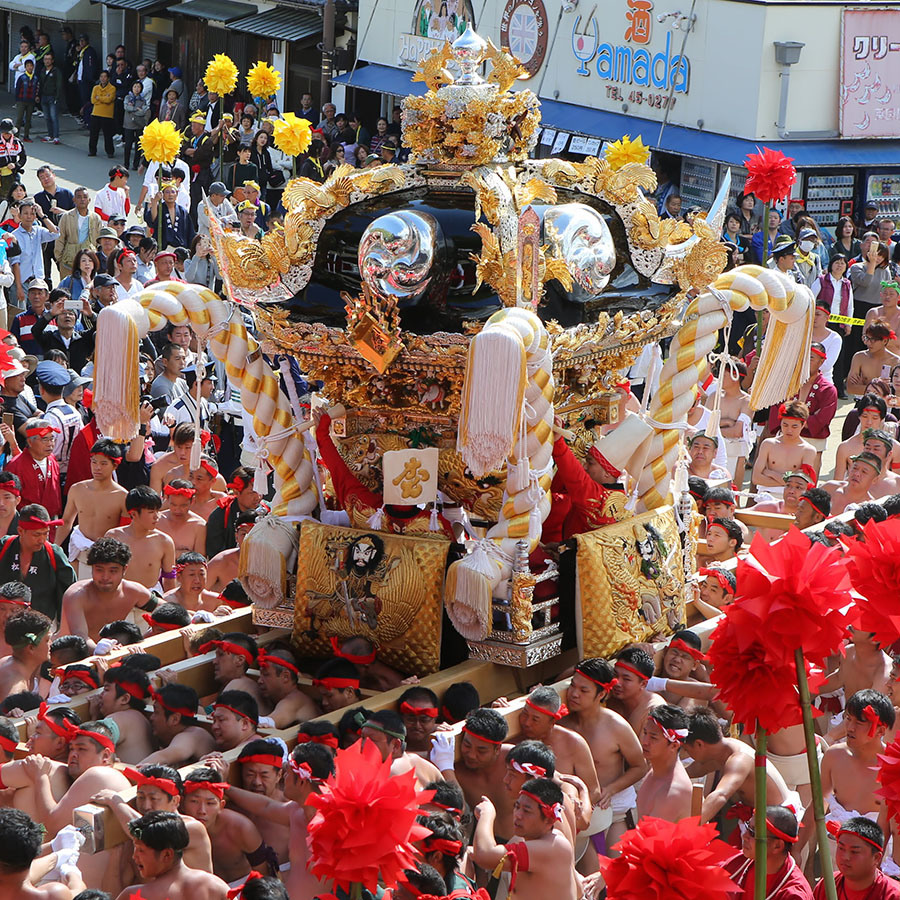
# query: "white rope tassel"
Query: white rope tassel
{"points": [[376, 520], [116, 379], [197, 446], [492, 399], [267, 554]]}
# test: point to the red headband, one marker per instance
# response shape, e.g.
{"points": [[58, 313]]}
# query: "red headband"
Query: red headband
{"points": [[182, 710], [529, 769], [632, 669], [13, 601], [266, 659], [672, 735], [781, 414], [113, 459], [228, 647], [163, 626], [608, 467], [448, 716], [237, 485], [442, 845], [237, 712], [33, 523], [679, 644], [8, 744], [237, 892], [216, 787], [357, 660], [213, 471], [166, 785], [170, 491], [327, 740], [552, 811], [136, 691], [777, 832], [408, 709], [872, 718], [820, 353], [606, 685], [821, 512], [303, 771], [719, 575], [82, 673], [450, 809], [73, 731], [263, 758], [10, 488], [58, 730], [480, 737], [336, 684], [562, 712], [234, 604], [42, 431], [835, 830]]}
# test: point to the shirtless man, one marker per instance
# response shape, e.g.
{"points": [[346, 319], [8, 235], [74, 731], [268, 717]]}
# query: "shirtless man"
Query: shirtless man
{"points": [[795, 483], [614, 746], [681, 660], [716, 590], [850, 769], [630, 697], [203, 478], [373, 673], [28, 634], [733, 761], [872, 410], [278, 674], [723, 541], [544, 858], [419, 708], [385, 729], [160, 838], [865, 470], [736, 425], [876, 361], [97, 504], [703, 449], [482, 764], [124, 694], [719, 503], [261, 764], [888, 311], [666, 791], [152, 550], [786, 451], [185, 527], [174, 724], [88, 605], [237, 845], [223, 567], [235, 653], [176, 463], [14, 597], [191, 575], [47, 735], [882, 445], [235, 718], [158, 788], [305, 772], [337, 681]]}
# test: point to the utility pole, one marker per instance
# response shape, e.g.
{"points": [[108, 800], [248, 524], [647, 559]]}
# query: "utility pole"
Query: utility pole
{"points": [[327, 52]]}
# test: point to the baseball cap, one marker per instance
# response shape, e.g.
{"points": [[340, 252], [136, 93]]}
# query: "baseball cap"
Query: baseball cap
{"points": [[51, 374], [101, 279], [107, 232], [218, 187], [176, 71], [37, 284]]}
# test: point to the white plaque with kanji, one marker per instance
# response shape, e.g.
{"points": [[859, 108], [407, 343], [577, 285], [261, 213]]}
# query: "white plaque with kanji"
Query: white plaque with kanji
{"points": [[410, 476]]}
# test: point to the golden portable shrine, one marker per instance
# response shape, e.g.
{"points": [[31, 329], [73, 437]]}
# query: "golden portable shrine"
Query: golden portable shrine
{"points": [[456, 314]]}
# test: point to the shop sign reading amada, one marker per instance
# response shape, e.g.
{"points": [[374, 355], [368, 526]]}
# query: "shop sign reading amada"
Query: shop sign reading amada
{"points": [[636, 73], [523, 31], [434, 21]]}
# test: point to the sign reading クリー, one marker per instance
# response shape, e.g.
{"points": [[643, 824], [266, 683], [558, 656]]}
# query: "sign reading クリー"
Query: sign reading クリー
{"points": [[523, 30], [634, 63]]}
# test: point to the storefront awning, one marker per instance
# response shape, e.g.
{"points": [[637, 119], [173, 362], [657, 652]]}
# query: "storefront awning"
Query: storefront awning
{"points": [[385, 79], [61, 10], [136, 5], [281, 24], [217, 10], [708, 145]]}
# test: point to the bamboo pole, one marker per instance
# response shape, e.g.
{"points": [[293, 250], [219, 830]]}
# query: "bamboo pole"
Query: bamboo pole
{"points": [[761, 856]]}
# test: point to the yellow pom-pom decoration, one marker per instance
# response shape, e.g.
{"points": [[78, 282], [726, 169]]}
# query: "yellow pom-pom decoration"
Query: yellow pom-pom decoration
{"points": [[625, 150], [160, 142], [263, 80], [221, 75], [293, 135]]}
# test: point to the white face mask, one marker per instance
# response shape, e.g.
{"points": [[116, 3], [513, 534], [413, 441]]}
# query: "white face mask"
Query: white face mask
{"points": [[806, 246]]}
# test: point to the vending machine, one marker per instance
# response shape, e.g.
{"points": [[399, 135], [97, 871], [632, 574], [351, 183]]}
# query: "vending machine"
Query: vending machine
{"points": [[829, 195], [883, 189], [699, 182]]}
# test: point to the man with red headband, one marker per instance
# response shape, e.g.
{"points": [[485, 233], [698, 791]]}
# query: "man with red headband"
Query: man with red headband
{"points": [[850, 768], [28, 633], [113, 200], [37, 469], [125, 692], [236, 652], [814, 507], [10, 497], [420, 710], [181, 740], [204, 479], [33, 560], [278, 676], [715, 591], [787, 451], [539, 857], [784, 878], [859, 851], [191, 592], [615, 749], [223, 567], [373, 673], [221, 526], [666, 791], [179, 521], [126, 266], [98, 505], [795, 483]]}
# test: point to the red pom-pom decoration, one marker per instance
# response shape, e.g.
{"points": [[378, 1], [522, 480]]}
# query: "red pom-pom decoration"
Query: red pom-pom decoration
{"points": [[669, 861], [889, 779], [874, 568], [770, 175]]}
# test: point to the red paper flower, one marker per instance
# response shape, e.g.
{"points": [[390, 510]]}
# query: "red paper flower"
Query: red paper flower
{"points": [[874, 568], [757, 692], [770, 175], [366, 821], [791, 595], [889, 778], [669, 861]]}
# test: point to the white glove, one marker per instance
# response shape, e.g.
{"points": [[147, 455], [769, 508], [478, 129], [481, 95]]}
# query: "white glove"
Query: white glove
{"points": [[443, 750], [203, 616], [68, 838], [104, 647], [656, 684], [59, 698], [266, 722]]}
